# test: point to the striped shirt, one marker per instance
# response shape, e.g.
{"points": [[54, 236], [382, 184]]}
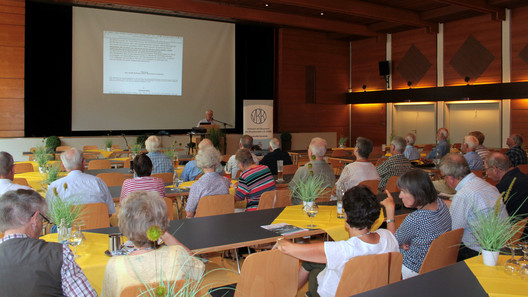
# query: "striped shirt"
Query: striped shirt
{"points": [[252, 183], [143, 183]]}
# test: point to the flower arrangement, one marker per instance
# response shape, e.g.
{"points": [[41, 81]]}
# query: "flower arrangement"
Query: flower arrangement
{"points": [[310, 188], [41, 156], [51, 173], [64, 208]]}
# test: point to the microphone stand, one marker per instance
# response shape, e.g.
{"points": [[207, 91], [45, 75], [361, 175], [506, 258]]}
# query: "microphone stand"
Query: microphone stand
{"points": [[225, 136], [126, 142]]}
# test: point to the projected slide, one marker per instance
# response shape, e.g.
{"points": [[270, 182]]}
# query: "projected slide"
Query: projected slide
{"points": [[142, 64]]}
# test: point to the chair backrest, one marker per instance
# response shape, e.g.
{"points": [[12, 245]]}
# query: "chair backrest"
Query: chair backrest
{"points": [[90, 147], [274, 199], [112, 179], [269, 273], [95, 215], [215, 205], [392, 184], [443, 251], [523, 168], [115, 147], [518, 227], [167, 177], [479, 173], [356, 279], [170, 211], [372, 184], [99, 164], [21, 181], [185, 285], [23, 167], [289, 169], [395, 267], [62, 148], [90, 156], [198, 176], [126, 163], [428, 147], [339, 153]]}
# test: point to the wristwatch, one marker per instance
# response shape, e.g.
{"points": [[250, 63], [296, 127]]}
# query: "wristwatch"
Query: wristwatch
{"points": [[389, 221]]}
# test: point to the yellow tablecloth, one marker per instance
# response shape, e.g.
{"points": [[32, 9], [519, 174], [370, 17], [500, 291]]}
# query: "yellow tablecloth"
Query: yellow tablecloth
{"points": [[188, 184], [35, 179], [325, 219], [93, 259], [105, 153], [495, 281]]}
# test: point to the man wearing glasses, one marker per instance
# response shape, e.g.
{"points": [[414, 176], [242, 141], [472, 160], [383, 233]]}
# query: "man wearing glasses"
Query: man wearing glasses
{"points": [[30, 266]]}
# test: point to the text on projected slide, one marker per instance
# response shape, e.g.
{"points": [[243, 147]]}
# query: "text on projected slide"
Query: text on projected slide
{"points": [[142, 64]]}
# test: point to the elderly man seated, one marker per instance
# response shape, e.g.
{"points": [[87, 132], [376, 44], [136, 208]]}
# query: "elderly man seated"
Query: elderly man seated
{"points": [[161, 162], [30, 266], [316, 167], [82, 187], [500, 170], [442, 147], [516, 153], [473, 194], [395, 165], [191, 169], [411, 152], [469, 145], [7, 173], [246, 142], [275, 155], [481, 150]]}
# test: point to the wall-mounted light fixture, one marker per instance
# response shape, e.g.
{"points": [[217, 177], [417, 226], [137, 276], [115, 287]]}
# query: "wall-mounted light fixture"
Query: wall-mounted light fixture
{"points": [[409, 84], [467, 79], [364, 88]]}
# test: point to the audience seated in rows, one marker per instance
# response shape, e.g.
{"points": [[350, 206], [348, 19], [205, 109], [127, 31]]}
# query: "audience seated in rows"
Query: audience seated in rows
{"points": [[421, 227], [246, 142], [442, 147], [211, 183], [481, 150], [316, 167], [473, 194], [395, 165], [142, 180], [516, 153], [361, 169], [31, 266], [275, 155], [362, 209], [82, 187], [411, 152], [191, 169], [500, 170], [161, 162], [469, 145], [254, 180], [146, 262], [7, 173]]}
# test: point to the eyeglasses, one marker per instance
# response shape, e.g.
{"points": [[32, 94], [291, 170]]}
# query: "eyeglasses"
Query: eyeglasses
{"points": [[43, 217]]}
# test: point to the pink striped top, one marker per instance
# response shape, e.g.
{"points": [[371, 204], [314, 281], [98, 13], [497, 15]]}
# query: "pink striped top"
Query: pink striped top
{"points": [[143, 183]]}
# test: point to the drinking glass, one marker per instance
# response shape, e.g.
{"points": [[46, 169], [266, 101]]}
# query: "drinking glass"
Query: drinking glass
{"points": [[75, 238], [311, 212], [512, 266], [524, 259], [280, 166], [176, 181]]}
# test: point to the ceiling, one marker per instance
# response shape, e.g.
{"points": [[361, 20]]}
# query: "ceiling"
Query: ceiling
{"points": [[347, 19]]}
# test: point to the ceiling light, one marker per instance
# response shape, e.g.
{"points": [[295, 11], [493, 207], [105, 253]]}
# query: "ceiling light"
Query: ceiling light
{"points": [[322, 13]]}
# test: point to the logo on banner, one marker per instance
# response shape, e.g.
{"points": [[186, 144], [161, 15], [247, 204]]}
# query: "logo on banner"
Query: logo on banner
{"points": [[258, 116]]}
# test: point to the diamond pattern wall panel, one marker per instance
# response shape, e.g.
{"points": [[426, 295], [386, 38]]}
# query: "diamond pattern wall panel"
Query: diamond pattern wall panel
{"points": [[471, 59], [524, 54], [414, 65]]}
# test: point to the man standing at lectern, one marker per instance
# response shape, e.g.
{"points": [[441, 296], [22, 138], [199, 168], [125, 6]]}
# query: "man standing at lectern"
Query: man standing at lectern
{"points": [[208, 120]]}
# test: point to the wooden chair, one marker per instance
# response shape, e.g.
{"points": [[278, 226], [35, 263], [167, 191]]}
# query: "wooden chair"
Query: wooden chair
{"points": [[215, 205], [289, 169], [21, 181], [337, 166], [115, 147], [392, 184], [368, 272], [167, 177], [443, 251], [372, 184], [523, 168], [428, 147], [519, 228], [23, 167], [148, 290], [95, 215], [90, 156], [395, 267], [170, 212], [99, 164], [90, 147], [62, 148], [339, 153], [198, 176], [380, 160], [269, 273], [479, 173], [112, 179], [275, 199], [126, 163]]}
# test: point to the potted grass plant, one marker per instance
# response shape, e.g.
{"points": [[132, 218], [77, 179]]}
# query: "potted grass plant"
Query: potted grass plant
{"points": [[42, 157], [342, 141], [64, 208], [51, 173], [309, 189], [108, 144]]}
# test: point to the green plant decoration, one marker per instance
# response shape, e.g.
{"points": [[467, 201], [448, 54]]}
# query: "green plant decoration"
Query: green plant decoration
{"points": [[215, 135], [141, 140], [41, 156], [64, 208], [52, 143], [310, 188]]}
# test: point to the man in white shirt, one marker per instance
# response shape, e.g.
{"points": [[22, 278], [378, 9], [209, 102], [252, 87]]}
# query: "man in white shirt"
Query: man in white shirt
{"points": [[7, 173], [246, 141], [82, 187], [208, 120]]}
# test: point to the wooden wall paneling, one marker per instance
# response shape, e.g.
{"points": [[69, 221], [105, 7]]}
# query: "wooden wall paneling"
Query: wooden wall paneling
{"points": [[519, 44], [366, 54], [519, 117], [425, 43], [487, 32], [11, 35], [11, 88], [296, 50], [369, 120], [11, 114]]}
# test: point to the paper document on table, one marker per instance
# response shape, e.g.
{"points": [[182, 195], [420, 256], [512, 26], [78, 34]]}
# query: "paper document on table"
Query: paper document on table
{"points": [[284, 229]]}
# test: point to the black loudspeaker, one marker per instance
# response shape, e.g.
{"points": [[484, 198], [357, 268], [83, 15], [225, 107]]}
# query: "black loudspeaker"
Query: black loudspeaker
{"points": [[384, 68]]}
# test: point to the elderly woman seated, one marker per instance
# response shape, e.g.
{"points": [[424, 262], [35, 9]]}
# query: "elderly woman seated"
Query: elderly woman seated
{"points": [[143, 181], [142, 217], [211, 183], [361, 211], [254, 180]]}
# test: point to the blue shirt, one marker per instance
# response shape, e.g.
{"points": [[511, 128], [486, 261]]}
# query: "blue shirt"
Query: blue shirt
{"points": [[442, 147], [190, 171], [411, 153], [474, 161], [161, 163]]}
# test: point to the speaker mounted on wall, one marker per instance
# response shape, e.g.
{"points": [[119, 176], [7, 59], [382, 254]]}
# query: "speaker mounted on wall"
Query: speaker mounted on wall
{"points": [[384, 68]]}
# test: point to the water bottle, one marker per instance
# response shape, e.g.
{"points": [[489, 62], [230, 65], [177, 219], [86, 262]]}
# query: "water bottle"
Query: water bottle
{"points": [[62, 232], [437, 157], [339, 193]]}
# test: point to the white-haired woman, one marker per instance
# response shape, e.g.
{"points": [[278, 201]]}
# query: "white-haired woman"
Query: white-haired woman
{"points": [[146, 264], [211, 183]]}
